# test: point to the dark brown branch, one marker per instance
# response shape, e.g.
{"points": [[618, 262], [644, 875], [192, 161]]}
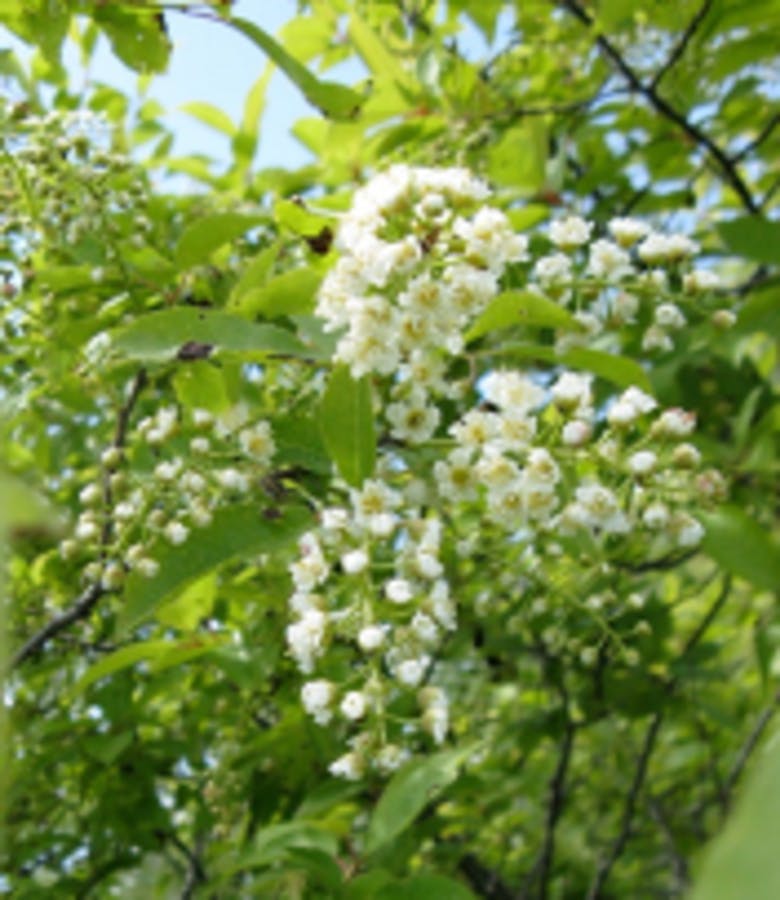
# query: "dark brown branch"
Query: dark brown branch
{"points": [[485, 881], [759, 139], [86, 601], [540, 871], [648, 91], [681, 46], [629, 808], [746, 751], [648, 745], [679, 863]]}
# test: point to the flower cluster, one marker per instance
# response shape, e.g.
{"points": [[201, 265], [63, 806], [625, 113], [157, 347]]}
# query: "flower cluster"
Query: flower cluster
{"points": [[370, 583], [634, 279], [530, 464], [194, 466]]}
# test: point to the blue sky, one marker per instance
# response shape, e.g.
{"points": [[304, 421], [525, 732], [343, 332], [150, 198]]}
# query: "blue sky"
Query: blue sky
{"points": [[217, 64]]}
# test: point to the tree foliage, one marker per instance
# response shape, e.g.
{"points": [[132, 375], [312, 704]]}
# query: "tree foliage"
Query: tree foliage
{"points": [[402, 524]]}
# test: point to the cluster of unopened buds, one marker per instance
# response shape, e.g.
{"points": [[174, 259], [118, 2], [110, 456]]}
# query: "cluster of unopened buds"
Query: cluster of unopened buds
{"points": [[184, 469], [510, 458], [67, 184]]}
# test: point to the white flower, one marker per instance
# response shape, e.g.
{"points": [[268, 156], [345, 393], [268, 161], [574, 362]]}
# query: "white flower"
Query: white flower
{"points": [[642, 462], [427, 565], [576, 433], [425, 628], [570, 232], [511, 390], [370, 638], [700, 281], [666, 248], [374, 506], [631, 404], [442, 606], [674, 423], [334, 519], [627, 231], [233, 480], [349, 766], [436, 721], [399, 590], [258, 442], [312, 568], [571, 391], [90, 495], [669, 315], [125, 511], [608, 261], [687, 530], [147, 566], [655, 338], [176, 532], [413, 419], [686, 456], [317, 697], [353, 706], [305, 638], [475, 429], [553, 270], [202, 418], [411, 671], [601, 509], [200, 445], [655, 516], [390, 758], [193, 482], [167, 471], [455, 477], [354, 562]]}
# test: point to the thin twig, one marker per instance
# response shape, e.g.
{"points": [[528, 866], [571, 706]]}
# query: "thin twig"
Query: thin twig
{"points": [[681, 46], [86, 601], [679, 863], [746, 750], [648, 91], [762, 135], [629, 808]]}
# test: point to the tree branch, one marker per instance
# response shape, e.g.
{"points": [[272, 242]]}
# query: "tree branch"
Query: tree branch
{"points": [[648, 91], [681, 46], [762, 135], [86, 601], [746, 751], [629, 808]]}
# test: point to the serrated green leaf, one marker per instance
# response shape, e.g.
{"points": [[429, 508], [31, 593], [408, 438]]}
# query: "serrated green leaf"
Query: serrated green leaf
{"points": [[742, 546], [299, 219], [335, 101], [752, 237], [620, 370], [202, 238], [158, 336], [289, 294], [235, 531], [520, 308], [409, 791], [210, 115], [347, 425], [163, 653]]}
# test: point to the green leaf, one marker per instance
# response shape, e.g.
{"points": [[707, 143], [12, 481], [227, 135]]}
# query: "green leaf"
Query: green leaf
{"points": [[200, 239], [164, 653], [245, 140], [140, 40], [742, 546], [299, 219], [288, 294], [255, 275], [347, 425], [520, 308], [236, 531], [620, 370], [425, 886], [753, 237], [276, 841], [335, 101], [210, 115], [20, 505], [409, 791], [743, 859], [519, 158], [160, 335]]}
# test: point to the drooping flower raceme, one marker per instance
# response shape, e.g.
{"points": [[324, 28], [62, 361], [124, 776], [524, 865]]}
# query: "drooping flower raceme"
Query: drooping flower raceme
{"points": [[511, 462]]}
